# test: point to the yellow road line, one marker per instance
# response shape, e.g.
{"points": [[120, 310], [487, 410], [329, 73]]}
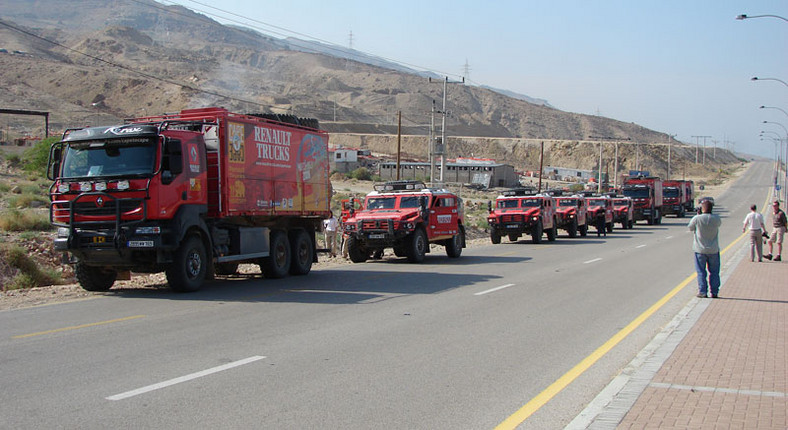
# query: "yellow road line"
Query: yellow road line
{"points": [[76, 327], [556, 387]]}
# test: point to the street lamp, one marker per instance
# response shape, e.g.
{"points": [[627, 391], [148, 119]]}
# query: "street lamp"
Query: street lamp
{"points": [[755, 78], [785, 189], [742, 17], [772, 107]]}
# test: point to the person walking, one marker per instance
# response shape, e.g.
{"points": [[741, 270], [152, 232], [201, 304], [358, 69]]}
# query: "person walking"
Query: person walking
{"points": [[705, 228], [779, 223], [330, 226], [754, 223]]}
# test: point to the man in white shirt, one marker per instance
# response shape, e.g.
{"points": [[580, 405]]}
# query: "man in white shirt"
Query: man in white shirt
{"points": [[754, 223], [330, 226]]}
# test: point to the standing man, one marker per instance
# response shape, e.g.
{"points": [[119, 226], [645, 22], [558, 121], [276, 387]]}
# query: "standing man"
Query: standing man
{"points": [[754, 223], [330, 226], [778, 232], [706, 228]]}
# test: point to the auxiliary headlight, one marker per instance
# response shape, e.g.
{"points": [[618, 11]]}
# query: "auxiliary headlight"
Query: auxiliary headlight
{"points": [[62, 231], [63, 188], [148, 230]]}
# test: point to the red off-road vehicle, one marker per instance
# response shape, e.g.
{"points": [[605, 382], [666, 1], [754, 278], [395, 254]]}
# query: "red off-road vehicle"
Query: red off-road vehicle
{"points": [[406, 216], [516, 213], [601, 206], [571, 214], [624, 211]]}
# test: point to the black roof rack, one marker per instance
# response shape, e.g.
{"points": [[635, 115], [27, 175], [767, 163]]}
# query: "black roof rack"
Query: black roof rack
{"points": [[400, 186], [522, 191]]}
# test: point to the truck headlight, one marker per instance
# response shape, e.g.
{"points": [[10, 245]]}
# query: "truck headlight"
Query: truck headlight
{"points": [[62, 232], [148, 230], [63, 188]]}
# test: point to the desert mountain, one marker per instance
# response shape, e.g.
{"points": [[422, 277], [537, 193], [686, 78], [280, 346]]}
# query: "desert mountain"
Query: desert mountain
{"points": [[97, 61]]}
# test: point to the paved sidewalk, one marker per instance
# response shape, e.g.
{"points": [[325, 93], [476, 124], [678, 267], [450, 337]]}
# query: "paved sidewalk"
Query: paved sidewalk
{"points": [[726, 369]]}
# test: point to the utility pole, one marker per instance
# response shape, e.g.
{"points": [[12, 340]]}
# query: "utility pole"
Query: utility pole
{"points": [[697, 146], [399, 141], [443, 125]]}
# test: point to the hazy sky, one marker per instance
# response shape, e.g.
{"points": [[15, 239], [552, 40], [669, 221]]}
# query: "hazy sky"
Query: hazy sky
{"points": [[679, 67]]}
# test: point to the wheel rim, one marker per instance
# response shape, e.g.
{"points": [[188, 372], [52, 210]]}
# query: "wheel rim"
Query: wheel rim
{"points": [[194, 264], [420, 244], [280, 256]]}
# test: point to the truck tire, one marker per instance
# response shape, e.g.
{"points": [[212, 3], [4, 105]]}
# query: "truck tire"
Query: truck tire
{"points": [[454, 247], [227, 268], [356, 251], [495, 237], [277, 264], [536, 233], [552, 233], [584, 230], [94, 278], [513, 237], [417, 245], [572, 231], [189, 266], [302, 253]]}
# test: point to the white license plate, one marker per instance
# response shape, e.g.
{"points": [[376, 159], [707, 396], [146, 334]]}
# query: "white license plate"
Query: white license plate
{"points": [[377, 236], [513, 226], [140, 244]]}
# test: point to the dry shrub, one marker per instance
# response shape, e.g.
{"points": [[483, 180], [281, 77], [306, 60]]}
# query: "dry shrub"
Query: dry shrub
{"points": [[22, 271], [24, 220]]}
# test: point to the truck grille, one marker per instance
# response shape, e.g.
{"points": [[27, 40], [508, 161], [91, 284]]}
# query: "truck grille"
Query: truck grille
{"points": [[511, 218], [90, 208], [378, 225]]}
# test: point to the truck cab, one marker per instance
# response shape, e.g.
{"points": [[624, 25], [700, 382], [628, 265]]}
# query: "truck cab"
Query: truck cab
{"points": [[518, 212], [624, 212], [408, 217], [571, 214], [674, 198]]}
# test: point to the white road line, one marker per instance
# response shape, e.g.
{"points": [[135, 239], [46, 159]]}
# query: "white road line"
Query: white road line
{"points": [[669, 237], [640, 246], [185, 378], [493, 289], [592, 261]]}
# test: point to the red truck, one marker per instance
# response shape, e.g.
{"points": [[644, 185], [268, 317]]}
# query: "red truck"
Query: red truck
{"points": [[517, 213], [571, 214], [601, 207], [191, 194], [646, 194], [623, 209], [406, 216], [678, 197]]}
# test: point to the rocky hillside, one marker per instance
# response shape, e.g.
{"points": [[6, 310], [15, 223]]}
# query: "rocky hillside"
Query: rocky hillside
{"points": [[146, 58]]}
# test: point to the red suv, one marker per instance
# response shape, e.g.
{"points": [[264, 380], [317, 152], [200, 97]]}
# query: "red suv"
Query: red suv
{"points": [[517, 213], [571, 215], [406, 216]]}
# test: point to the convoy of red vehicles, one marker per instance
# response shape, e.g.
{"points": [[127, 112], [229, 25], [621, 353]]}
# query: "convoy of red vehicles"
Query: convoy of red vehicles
{"points": [[194, 194]]}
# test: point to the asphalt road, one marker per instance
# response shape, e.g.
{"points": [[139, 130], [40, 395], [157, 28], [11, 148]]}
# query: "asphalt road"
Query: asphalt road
{"points": [[451, 343]]}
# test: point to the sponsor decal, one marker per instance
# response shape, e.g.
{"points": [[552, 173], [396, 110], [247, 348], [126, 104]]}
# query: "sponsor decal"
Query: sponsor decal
{"points": [[194, 159], [119, 131], [238, 190], [272, 144], [237, 145], [195, 184], [444, 219]]}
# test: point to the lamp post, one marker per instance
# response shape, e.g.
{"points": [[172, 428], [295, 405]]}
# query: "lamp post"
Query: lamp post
{"points": [[742, 17], [785, 189], [443, 125], [755, 78]]}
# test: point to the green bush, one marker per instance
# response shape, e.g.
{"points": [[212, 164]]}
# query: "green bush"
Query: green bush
{"points": [[13, 219], [361, 174], [25, 200], [35, 159], [30, 275]]}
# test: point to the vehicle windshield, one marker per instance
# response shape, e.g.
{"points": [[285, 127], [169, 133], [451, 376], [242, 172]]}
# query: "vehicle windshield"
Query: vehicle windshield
{"points": [[671, 192], [409, 202], [506, 204], [530, 203], [107, 159], [637, 193], [381, 203], [620, 202], [598, 202], [567, 202]]}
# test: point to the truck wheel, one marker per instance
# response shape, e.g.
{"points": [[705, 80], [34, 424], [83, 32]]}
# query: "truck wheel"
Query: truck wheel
{"points": [[277, 264], [495, 237], [584, 230], [187, 271], [573, 229], [356, 251], [225, 269], [454, 248], [551, 233], [536, 233], [95, 278], [417, 246], [513, 237], [301, 246]]}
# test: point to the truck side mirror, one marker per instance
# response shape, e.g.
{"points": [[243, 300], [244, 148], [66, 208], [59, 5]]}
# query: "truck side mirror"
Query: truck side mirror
{"points": [[53, 165], [489, 205], [352, 209]]}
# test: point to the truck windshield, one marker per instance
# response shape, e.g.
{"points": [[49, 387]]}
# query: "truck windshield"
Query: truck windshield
{"points": [[637, 193], [530, 203], [596, 202], [506, 204], [567, 202], [409, 202], [670, 192], [381, 203], [108, 160]]}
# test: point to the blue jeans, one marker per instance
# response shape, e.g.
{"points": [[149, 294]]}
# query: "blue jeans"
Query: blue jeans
{"points": [[712, 262]]}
